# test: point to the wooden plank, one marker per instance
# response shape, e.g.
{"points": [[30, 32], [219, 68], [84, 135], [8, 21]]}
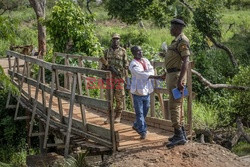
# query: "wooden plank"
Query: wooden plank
{"points": [[82, 107], [77, 56], [101, 90], [161, 90], [111, 115], [19, 96], [37, 134], [87, 71], [35, 103], [152, 104], [159, 64], [32, 60], [49, 111], [12, 77], [60, 107], [72, 100]]}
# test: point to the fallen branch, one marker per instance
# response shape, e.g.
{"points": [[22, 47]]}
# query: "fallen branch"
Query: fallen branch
{"points": [[216, 86], [240, 132]]}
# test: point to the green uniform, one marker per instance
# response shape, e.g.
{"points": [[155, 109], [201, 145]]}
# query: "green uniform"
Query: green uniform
{"points": [[178, 49], [118, 59]]}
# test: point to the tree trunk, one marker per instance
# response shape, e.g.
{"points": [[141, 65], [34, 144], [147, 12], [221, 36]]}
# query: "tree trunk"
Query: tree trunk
{"points": [[39, 8]]}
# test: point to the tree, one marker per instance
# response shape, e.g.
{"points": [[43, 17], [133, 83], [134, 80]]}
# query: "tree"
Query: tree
{"points": [[71, 30], [39, 8], [9, 5]]}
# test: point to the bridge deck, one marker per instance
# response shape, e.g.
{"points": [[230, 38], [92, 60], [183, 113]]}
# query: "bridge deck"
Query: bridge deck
{"points": [[128, 137]]}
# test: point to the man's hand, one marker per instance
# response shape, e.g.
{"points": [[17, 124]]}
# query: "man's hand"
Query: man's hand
{"points": [[180, 85]]}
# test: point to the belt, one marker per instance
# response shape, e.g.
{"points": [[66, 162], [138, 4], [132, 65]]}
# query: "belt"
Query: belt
{"points": [[169, 70]]}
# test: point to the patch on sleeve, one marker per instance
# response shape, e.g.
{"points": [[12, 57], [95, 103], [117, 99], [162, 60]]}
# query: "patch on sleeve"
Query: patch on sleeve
{"points": [[134, 66], [183, 47]]}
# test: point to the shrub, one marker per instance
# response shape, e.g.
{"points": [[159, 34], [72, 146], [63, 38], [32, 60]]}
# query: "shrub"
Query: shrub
{"points": [[72, 30]]}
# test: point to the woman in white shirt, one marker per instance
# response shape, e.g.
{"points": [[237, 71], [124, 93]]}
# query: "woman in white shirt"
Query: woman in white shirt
{"points": [[141, 87]]}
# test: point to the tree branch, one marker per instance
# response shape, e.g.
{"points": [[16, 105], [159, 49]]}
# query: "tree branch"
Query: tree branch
{"points": [[88, 1], [225, 48], [187, 5], [217, 44], [216, 86]]}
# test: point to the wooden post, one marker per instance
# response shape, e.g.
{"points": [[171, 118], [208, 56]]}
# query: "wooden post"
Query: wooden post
{"points": [[71, 107], [66, 76], [60, 107], [35, 102], [101, 90], [12, 78], [111, 110], [28, 76], [82, 107], [43, 81], [189, 84], [19, 96], [152, 99], [49, 110]]}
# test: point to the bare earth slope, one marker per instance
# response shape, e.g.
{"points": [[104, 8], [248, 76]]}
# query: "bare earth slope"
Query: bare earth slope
{"points": [[189, 155]]}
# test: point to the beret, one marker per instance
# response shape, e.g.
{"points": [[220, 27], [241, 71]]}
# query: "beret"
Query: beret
{"points": [[178, 21]]}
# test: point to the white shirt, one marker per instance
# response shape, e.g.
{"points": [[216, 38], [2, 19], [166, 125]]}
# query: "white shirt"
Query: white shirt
{"points": [[140, 84]]}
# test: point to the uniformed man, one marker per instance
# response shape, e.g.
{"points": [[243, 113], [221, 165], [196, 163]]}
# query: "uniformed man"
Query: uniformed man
{"points": [[176, 61], [117, 57]]}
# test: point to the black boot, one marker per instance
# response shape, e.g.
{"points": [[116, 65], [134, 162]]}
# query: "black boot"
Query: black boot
{"points": [[178, 140], [174, 136], [184, 132]]}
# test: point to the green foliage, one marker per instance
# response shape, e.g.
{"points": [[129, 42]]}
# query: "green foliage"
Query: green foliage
{"points": [[8, 28], [132, 11], [71, 30], [78, 161], [5, 83], [241, 98], [207, 18], [241, 149], [204, 116]]}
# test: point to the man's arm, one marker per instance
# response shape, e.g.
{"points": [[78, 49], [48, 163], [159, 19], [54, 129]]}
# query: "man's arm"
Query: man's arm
{"points": [[184, 65], [138, 72]]}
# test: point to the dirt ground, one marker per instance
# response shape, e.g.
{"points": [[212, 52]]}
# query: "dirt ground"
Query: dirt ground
{"points": [[189, 155]]}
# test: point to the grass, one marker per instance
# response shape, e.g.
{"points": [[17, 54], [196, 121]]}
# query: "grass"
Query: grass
{"points": [[204, 116], [241, 149]]}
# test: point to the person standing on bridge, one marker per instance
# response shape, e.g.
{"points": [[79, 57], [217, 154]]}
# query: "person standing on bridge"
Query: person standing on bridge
{"points": [[117, 58], [176, 62], [141, 87]]}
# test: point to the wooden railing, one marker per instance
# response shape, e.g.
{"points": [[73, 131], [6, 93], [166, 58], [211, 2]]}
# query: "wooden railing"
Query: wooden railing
{"points": [[44, 110], [159, 91]]}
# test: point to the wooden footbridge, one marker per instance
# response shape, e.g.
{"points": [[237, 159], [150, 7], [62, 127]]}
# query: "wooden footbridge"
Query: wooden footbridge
{"points": [[59, 96]]}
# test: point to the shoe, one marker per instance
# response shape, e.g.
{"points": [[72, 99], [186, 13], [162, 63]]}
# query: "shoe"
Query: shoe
{"points": [[118, 116], [178, 140], [184, 132], [174, 136], [134, 128], [143, 136]]}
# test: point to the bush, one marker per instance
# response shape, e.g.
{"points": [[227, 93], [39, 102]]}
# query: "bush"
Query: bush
{"points": [[72, 30]]}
